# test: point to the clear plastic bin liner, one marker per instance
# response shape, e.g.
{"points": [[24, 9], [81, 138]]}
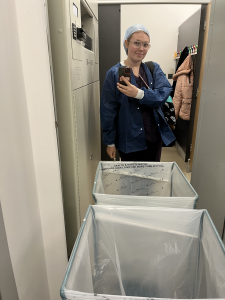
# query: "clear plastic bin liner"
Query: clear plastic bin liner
{"points": [[131, 252], [143, 184]]}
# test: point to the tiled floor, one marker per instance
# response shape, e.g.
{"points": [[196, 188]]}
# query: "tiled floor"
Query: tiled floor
{"points": [[171, 154]]}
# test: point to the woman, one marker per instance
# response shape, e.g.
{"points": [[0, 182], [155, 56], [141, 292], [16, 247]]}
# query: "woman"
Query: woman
{"points": [[131, 116]]}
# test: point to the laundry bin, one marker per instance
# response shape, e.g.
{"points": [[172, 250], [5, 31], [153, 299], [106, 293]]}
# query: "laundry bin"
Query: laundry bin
{"points": [[153, 184], [127, 252]]}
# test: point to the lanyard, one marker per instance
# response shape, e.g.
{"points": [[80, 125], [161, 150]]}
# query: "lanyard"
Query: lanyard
{"points": [[144, 82]]}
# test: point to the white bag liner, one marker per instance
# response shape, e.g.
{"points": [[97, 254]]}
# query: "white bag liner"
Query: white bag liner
{"points": [[125, 252], [143, 184]]}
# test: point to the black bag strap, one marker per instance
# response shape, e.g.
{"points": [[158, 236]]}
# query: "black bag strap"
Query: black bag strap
{"points": [[150, 66]]}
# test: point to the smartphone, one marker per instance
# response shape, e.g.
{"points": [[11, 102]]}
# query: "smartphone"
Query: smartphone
{"points": [[126, 72]]}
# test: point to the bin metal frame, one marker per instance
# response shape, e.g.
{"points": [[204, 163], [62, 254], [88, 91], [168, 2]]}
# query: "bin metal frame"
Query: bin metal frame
{"points": [[173, 164], [93, 296]]}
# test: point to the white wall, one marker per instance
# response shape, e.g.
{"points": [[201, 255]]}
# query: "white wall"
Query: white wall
{"points": [[30, 187], [162, 22]]}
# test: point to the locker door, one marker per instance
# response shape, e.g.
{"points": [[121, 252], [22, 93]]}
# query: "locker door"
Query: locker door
{"points": [[88, 140]]}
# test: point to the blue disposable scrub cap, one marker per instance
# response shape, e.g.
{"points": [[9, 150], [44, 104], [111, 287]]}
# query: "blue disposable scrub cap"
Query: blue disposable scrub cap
{"points": [[132, 29]]}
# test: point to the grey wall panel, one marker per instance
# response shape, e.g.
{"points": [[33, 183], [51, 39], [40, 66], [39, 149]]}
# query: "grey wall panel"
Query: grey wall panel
{"points": [[109, 45], [188, 31], [196, 78], [8, 290], [109, 38], [209, 156]]}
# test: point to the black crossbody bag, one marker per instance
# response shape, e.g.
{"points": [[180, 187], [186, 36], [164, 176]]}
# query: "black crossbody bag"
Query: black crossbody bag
{"points": [[168, 107]]}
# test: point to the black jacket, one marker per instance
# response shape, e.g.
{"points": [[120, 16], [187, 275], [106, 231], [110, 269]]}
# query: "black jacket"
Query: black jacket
{"points": [[183, 56]]}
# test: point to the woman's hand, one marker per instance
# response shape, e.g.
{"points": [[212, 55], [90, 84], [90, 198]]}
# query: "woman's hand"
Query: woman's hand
{"points": [[111, 151], [130, 90]]}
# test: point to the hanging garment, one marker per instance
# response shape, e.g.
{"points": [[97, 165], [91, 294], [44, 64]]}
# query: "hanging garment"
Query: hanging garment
{"points": [[183, 56], [169, 113], [183, 93]]}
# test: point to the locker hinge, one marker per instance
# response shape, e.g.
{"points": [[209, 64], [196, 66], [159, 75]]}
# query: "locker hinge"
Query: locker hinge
{"points": [[204, 25], [197, 93]]}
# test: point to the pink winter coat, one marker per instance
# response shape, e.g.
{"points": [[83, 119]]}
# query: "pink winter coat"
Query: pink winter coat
{"points": [[183, 92]]}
